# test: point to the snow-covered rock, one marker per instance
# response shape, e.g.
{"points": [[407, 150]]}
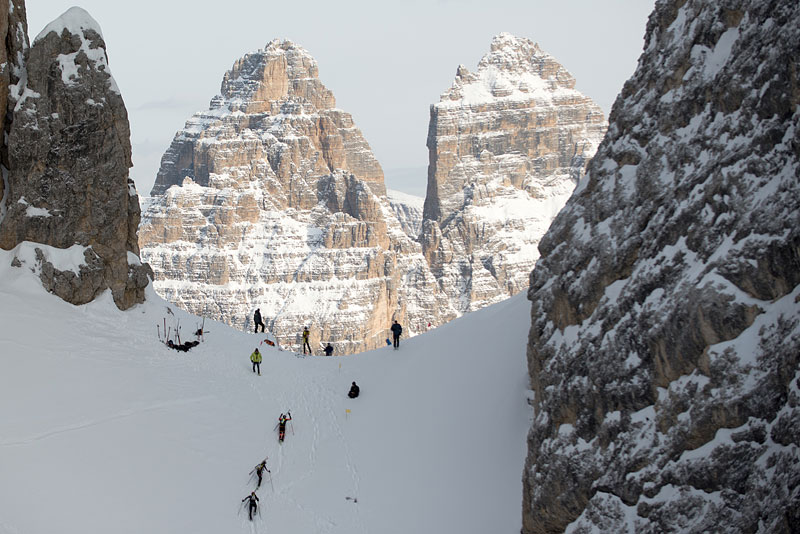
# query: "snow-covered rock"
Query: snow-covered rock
{"points": [[272, 199], [68, 155], [665, 338], [408, 210], [507, 145]]}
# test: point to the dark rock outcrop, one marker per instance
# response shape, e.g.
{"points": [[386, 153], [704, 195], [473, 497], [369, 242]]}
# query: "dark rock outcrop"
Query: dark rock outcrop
{"points": [[665, 338], [68, 159], [14, 33]]}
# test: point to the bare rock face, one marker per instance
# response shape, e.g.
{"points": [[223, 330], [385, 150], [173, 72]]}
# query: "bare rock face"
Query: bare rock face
{"points": [[272, 199], [68, 159], [14, 31], [665, 337], [507, 145]]}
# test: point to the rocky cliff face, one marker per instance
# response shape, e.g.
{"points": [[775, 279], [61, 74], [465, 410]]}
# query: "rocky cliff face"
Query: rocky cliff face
{"points": [[507, 145], [665, 307], [14, 32], [272, 199], [68, 159]]}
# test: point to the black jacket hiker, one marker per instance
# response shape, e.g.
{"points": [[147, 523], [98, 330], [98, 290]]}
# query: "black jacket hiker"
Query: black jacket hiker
{"points": [[328, 350], [282, 420], [396, 331], [257, 320], [253, 498], [260, 468], [354, 391]]}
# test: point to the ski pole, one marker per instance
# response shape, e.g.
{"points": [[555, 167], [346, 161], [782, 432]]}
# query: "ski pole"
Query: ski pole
{"points": [[270, 481]]}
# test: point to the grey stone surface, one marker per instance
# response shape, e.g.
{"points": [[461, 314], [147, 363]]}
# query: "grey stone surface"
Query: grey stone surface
{"points": [[665, 337], [68, 157]]}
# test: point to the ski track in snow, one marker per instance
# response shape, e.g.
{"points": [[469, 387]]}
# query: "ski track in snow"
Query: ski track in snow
{"points": [[88, 424]]}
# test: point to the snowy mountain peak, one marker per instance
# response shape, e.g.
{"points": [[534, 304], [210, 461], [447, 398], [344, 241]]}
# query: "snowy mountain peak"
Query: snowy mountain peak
{"points": [[522, 137], [75, 20], [515, 68]]}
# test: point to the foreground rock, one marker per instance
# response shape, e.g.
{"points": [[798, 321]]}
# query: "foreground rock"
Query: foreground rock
{"points": [[507, 145], [68, 159], [14, 32], [666, 309], [272, 199]]}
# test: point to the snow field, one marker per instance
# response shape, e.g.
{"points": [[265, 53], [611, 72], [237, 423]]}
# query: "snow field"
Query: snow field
{"points": [[103, 428]]}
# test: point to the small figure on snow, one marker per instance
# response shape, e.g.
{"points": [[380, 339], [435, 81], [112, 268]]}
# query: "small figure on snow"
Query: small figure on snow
{"points": [[328, 350], [354, 391], [306, 333], [396, 331], [257, 320], [260, 468], [256, 359], [282, 420], [253, 504], [183, 347]]}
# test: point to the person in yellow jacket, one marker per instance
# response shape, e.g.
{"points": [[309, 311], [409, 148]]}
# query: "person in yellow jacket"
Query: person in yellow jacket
{"points": [[256, 359], [306, 333]]}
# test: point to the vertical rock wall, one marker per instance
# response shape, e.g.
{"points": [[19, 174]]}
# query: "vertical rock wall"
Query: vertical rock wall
{"points": [[68, 159], [14, 33], [665, 340], [507, 145]]}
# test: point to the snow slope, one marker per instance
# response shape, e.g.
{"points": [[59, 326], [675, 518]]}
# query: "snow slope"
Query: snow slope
{"points": [[104, 429]]}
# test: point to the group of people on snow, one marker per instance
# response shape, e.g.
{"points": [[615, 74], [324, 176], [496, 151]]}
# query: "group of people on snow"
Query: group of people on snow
{"points": [[252, 499], [396, 330], [259, 470]]}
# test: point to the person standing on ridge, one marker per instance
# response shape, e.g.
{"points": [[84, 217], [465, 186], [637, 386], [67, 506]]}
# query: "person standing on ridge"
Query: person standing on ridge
{"points": [[260, 468], [282, 420], [257, 320], [306, 333], [396, 331], [256, 359], [328, 350], [253, 504]]}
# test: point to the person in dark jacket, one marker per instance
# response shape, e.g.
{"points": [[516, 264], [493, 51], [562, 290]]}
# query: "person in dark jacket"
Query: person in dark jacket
{"points": [[253, 504], [328, 350], [257, 320], [260, 468], [282, 420], [354, 391], [396, 331]]}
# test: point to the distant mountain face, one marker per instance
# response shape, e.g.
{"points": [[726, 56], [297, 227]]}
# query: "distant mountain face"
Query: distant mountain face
{"points": [[665, 337], [507, 145], [408, 210], [272, 199], [67, 152]]}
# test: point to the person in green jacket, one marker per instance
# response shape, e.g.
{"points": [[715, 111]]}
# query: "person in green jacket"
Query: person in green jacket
{"points": [[256, 359]]}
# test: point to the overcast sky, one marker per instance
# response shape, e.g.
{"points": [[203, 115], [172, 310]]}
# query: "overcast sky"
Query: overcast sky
{"points": [[386, 62]]}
